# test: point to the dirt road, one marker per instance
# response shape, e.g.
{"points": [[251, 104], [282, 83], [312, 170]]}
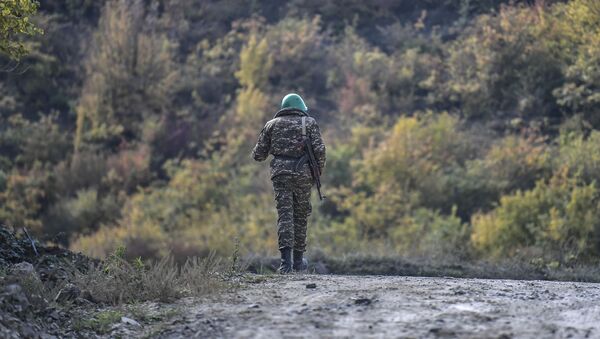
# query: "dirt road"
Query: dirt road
{"points": [[378, 306]]}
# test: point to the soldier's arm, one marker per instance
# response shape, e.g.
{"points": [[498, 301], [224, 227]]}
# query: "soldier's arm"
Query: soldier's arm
{"points": [[263, 146], [317, 143]]}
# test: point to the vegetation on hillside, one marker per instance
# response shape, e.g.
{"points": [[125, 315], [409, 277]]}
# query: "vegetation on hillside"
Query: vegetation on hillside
{"points": [[15, 21], [454, 128]]}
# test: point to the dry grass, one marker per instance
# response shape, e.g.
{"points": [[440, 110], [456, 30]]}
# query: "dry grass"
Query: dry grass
{"points": [[117, 281]]}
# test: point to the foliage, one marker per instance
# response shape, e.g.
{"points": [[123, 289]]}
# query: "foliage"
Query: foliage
{"points": [[500, 66], [128, 76], [15, 16], [580, 155], [102, 322], [559, 216], [24, 198], [418, 156], [575, 36], [453, 128]]}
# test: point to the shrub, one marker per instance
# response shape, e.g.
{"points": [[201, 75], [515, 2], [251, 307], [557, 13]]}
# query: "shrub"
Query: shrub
{"points": [[128, 169], [83, 170], [573, 34], [83, 214], [23, 201], [512, 163], [142, 240], [560, 216], [44, 141], [25, 142], [581, 155], [419, 155], [428, 233], [302, 43], [500, 66]]}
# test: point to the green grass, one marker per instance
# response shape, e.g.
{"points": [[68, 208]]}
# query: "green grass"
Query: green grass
{"points": [[100, 322]]}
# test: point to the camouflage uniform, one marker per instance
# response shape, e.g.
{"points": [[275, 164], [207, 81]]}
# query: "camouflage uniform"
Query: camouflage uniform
{"points": [[282, 137]]}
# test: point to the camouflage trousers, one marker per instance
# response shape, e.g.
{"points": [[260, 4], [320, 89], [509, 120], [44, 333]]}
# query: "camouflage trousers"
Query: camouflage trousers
{"points": [[292, 195]]}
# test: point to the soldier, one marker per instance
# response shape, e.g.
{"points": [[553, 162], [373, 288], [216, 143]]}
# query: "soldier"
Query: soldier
{"points": [[292, 181]]}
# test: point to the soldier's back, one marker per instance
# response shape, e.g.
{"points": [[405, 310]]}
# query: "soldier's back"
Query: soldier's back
{"points": [[286, 136]]}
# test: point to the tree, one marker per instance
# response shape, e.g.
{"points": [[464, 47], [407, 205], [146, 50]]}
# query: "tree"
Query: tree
{"points": [[129, 76], [252, 102], [14, 21]]}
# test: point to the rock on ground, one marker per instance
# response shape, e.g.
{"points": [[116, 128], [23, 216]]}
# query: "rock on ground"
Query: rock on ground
{"points": [[28, 278]]}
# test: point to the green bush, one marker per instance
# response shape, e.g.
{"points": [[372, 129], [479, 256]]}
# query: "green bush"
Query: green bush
{"points": [[419, 155], [573, 34], [581, 155], [511, 163], [83, 214], [500, 66], [560, 216]]}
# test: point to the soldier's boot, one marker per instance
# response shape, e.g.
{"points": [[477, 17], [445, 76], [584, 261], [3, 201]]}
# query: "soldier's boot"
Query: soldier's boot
{"points": [[286, 260], [300, 263]]}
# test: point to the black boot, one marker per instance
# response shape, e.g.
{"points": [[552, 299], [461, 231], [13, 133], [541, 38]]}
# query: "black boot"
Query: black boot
{"points": [[300, 264], [286, 260]]}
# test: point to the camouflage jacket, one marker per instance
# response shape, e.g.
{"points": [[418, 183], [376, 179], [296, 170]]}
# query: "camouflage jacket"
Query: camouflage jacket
{"points": [[282, 137]]}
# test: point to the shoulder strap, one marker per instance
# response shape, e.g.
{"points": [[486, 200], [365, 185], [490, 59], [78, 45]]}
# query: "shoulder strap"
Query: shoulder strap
{"points": [[303, 126]]}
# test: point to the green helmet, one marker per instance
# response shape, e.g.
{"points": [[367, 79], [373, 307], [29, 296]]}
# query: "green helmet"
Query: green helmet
{"points": [[293, 100]]}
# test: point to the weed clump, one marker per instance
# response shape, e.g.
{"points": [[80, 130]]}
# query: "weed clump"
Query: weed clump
{"points": [[117, 281]]}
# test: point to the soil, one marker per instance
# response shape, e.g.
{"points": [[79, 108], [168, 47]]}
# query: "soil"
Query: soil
{"points": [[300, 306]]}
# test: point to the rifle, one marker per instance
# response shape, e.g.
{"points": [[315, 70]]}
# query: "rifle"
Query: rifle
{"points": [[315, 170]]}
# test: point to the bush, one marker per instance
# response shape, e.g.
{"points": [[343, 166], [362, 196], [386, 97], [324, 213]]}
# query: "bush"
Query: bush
{"points": [[581, 155], [23, 202], [573, 34], [499, 66], [427, 233], [25, 142], [82, 171], [142, 240], [560, 216], [512, 163], [83, 214], [419, 155]]}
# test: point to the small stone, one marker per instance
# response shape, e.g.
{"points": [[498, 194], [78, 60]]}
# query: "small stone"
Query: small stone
{"points": [[254, 306], [363, 301], [129, 321], [22, 269], [14, 300], [311, 285]]}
